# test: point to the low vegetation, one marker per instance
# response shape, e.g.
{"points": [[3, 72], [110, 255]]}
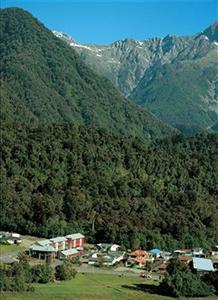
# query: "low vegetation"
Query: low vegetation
{"points": [[20, 276], [65, 271]]}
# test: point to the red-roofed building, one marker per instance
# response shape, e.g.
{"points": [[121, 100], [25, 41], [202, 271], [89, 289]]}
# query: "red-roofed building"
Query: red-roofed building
{"points": [[139, 253], [138, 257]]}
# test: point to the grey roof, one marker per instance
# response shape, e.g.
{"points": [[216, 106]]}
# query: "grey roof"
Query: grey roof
{"points": [[165, 253], [15, 235], [104, 245], [45, 248], [69, 252], [43, 242], [75, 236], [202, 264], [80, 248], [58, 239]]}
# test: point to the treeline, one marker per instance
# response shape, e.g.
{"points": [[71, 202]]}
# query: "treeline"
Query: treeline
{"points": [[61, 179]]}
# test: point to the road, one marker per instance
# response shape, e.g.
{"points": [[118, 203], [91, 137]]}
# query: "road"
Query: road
{"points": [[125, 273]]}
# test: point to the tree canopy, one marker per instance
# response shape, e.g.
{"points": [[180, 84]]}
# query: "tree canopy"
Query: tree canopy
{"points": [[60, 178]]}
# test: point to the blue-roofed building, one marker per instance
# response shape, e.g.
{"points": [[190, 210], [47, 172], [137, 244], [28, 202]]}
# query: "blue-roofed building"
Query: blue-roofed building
{"points": [[155, 252], [202, 264]]}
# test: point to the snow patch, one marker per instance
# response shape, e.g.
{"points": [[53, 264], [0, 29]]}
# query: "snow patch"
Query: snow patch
{"points": [[113, 61], [82, 46]]}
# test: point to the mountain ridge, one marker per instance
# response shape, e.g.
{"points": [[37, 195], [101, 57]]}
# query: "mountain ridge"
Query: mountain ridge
{"points": [[127, 62]]}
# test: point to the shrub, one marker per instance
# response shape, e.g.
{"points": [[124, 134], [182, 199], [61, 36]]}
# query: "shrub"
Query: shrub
{"points": [[15, 278], [42, 273], [65, 271]]}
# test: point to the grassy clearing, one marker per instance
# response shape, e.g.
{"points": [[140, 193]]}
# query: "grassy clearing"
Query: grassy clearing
{"points": [[4, 249], [93, 287]]}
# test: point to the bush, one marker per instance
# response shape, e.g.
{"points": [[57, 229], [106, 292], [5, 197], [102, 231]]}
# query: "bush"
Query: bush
{"points": [[42, 274], [65, 271], [15, 278], [76, 260], [180, 281]]}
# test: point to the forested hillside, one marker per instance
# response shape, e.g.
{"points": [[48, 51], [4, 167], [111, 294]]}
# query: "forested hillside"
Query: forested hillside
{"points": [[44, 81], [59, 179]]}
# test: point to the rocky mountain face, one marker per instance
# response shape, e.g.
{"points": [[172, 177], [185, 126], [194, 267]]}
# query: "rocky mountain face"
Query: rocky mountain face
{"points": [[157, 74], [125, 62]]}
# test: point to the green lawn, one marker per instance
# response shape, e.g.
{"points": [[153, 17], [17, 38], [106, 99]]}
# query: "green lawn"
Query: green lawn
{"points": [[92, 287], [4, 249]]}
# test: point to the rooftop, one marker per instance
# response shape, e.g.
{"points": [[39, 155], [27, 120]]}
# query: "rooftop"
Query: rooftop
{"points": [[75, 236], [39, 248], [43, 242], [69, 252], [139, 253], [155, 251], [58, 239], [202, 264]]}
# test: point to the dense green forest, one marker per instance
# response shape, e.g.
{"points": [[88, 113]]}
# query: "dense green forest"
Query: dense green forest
{"points": [[59, 179], [44, 81]]}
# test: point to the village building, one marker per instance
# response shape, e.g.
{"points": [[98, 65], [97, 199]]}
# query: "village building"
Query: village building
{"points": [[52, 247], [166, 255], [183, 252], [202, 265], [75, 240], [59, 243], [109, 258], [42, 251], [155, 252], [198, 252], [214, 251], [10, 238], [138, 258], [69, 254], [108, 247]]}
